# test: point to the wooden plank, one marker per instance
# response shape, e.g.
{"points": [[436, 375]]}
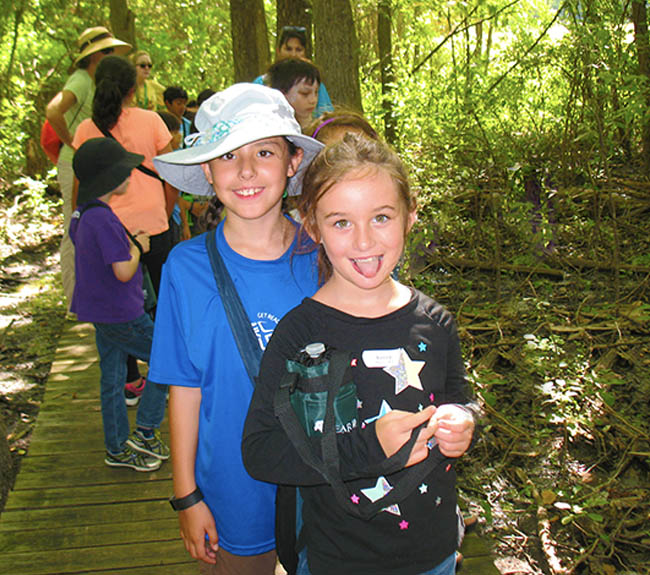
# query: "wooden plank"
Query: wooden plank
{"points": [[474, 545], [80, 476], [483, 565], [111, 558], [55, 517], [75, 536], [189, 568], [157, 487]]}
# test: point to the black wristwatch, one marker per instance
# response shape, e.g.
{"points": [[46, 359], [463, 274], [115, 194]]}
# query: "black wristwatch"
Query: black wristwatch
{"points": [[187, 501]]}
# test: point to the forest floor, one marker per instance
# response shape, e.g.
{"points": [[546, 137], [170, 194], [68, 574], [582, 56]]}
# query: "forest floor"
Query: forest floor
{"points": [[32, 312], [557, 351]]}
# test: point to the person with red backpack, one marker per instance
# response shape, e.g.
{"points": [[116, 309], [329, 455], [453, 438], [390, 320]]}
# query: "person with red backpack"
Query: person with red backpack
{"points": [[64, 113]]}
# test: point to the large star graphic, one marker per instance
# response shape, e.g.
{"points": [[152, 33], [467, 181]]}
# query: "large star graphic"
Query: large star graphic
{"points": [[406, 372], [383, 410], [381, 488]]}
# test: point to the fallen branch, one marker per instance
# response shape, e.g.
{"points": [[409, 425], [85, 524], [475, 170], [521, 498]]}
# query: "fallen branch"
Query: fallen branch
{"points": [[544, 530]]}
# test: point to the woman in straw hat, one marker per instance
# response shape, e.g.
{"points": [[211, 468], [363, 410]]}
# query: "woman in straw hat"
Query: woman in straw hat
{"points": [[65, 112]]}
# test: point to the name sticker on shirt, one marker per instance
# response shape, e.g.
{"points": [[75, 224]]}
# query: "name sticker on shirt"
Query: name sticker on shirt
{"points": [[380, 357], [397, 363]]}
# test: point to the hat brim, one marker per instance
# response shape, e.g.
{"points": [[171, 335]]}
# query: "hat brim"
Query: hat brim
{"points": [[120, 48], [108, 179], [182, 169]]}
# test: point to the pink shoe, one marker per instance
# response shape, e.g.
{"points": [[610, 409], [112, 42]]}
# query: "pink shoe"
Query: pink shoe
{"points": [[133, 391]]}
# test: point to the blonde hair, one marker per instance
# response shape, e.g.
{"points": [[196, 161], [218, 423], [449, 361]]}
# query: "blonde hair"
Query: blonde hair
{"points": [[357, 155], [134, 57]]}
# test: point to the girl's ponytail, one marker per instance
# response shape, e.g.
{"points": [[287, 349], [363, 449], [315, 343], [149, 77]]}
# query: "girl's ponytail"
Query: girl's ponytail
{"points": [[115, 78]]}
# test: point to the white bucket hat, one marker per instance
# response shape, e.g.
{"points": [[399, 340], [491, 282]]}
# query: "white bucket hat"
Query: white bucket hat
{"points": [[239, 115]]}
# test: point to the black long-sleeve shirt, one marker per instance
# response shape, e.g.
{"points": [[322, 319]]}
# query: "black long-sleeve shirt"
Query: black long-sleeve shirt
{"points": [[406, 360]]}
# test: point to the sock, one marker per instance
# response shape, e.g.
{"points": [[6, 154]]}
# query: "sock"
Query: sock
{"points": [[146, 433]]}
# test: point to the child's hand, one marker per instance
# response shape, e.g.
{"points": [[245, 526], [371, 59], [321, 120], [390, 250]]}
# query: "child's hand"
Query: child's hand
{"points": [[394, 430], [143, 240], [454, 428], [199, 532]]}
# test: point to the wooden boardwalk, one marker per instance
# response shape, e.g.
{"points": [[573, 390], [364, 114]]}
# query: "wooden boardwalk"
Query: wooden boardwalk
{"points": [[69, 513]]}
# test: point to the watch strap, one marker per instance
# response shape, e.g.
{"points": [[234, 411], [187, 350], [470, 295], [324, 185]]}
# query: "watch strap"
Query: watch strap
{"points": [[179, 504]]}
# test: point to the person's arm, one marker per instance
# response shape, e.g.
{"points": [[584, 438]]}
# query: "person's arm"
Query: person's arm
{"points": [[456, 418], [171, 193], [195, 521], [269, 455], [55, 113], [125, 270]]}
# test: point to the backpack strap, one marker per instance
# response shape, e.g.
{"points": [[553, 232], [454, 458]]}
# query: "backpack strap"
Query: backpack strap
{"points": [[327, 463], [143, 169], [240, 325]]}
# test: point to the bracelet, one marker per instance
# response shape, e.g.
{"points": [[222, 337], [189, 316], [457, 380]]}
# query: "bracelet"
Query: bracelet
{"points": [[181, 503]]}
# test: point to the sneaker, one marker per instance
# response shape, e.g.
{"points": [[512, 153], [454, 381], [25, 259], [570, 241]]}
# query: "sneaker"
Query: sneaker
{"points": [[133, 460], [153, 446], [133, 391]]}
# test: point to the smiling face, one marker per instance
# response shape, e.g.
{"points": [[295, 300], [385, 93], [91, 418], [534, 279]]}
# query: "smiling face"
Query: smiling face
{"points": [[250, 180], [303, 98], [362, 222]]}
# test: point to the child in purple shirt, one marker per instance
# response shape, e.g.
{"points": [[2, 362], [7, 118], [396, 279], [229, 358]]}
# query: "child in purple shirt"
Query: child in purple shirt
{"points": [[108, 293]]}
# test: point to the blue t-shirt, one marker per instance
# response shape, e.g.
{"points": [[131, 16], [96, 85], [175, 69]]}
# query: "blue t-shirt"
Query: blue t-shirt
{"points": [[324, 103], [194, 347], [100, 240]]}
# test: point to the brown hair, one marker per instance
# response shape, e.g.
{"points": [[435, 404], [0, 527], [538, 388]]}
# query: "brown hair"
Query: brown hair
{"points": [[354, 155], [340, 118]]}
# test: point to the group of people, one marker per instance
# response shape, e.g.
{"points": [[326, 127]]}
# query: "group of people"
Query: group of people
{"points": [[323, 277]]}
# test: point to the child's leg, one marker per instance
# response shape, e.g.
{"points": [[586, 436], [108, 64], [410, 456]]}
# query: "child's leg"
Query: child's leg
{"points": [[152, 404], [229, 564], [112, 362]]}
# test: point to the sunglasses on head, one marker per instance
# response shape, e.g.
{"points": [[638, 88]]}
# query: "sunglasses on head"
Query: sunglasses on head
{"points": [[143, 65], [294, 29], [107, 51]]}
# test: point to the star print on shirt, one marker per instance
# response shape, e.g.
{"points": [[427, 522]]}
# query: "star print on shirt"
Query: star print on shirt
{"points": [[381, 488], [383, 410], [422, 347], [406, 372], [423, 488], [354, 498], [403, 525]]}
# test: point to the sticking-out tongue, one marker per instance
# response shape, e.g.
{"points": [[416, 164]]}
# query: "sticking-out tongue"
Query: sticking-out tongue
{"points": [[367, 267]]}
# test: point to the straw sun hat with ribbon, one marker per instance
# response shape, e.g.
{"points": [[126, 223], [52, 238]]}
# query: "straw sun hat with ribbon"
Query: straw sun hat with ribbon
{"points": [[99, 38]]}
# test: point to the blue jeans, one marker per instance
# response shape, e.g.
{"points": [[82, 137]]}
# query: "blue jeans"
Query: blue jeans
{"points": [[116, 341]]}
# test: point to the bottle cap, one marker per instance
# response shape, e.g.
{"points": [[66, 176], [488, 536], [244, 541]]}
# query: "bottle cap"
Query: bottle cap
{"points": [[315, 350]]}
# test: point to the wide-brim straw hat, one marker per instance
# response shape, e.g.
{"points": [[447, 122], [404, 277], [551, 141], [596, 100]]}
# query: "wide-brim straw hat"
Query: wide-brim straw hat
{"points": [[99, 38], [239, 115]]}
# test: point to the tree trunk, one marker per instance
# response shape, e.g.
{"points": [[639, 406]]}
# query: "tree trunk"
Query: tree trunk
{"points": [[6, 466], [123, 22], [337, 51], [295, 13], [5, 90], [384, 22], [640, 20], [250, 44]]}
